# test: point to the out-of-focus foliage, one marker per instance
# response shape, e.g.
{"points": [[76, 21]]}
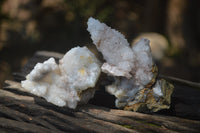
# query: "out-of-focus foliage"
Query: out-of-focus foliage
{"points": [[58, 25], [77, 9]]}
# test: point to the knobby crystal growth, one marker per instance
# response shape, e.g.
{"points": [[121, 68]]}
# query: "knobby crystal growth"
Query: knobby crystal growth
{"points": [[68, 83]]}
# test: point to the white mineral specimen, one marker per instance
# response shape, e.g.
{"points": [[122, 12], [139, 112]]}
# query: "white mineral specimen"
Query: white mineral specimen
{"points": [[132, 67], [124, 89], [69, 83]]}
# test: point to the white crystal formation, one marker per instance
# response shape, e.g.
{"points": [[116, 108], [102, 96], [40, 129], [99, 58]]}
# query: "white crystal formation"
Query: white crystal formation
{"points": [[142, 72], [68, 83], [158, 43], [108, 40], [131, 66]]}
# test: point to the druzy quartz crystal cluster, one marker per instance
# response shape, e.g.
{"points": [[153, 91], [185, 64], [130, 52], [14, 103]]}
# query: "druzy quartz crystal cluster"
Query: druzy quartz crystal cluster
{"points": [[73, 80], [136, 86]]}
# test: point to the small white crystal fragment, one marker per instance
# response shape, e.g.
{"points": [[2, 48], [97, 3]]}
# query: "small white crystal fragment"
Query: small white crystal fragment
{"points": [[114, 70], [157, 89], [68, 83]]}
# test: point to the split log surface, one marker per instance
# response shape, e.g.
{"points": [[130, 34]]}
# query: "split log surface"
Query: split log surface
{"points": [[21, 111]]}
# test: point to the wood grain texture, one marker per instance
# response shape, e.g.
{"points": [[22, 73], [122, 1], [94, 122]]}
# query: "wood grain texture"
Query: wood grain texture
{"points": [[21, 111]]}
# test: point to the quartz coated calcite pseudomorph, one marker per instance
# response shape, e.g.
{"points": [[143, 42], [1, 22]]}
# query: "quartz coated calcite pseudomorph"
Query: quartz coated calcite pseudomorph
{"points": [[136, 86], [70, 82]]}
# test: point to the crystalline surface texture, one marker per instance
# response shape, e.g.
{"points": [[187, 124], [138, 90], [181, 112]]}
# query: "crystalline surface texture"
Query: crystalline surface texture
{"points": [[132, 67], [112, 45], [68, 83]]}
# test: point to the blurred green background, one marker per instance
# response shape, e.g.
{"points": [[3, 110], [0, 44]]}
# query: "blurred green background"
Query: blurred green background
{"points": [[173, 26]]}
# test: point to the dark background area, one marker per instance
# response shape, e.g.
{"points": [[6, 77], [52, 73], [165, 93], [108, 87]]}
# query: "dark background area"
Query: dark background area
{"points": [[27, 26]]}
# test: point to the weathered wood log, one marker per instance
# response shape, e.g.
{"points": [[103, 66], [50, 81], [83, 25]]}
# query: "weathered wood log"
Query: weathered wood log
{"points": [[21, 111]]}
